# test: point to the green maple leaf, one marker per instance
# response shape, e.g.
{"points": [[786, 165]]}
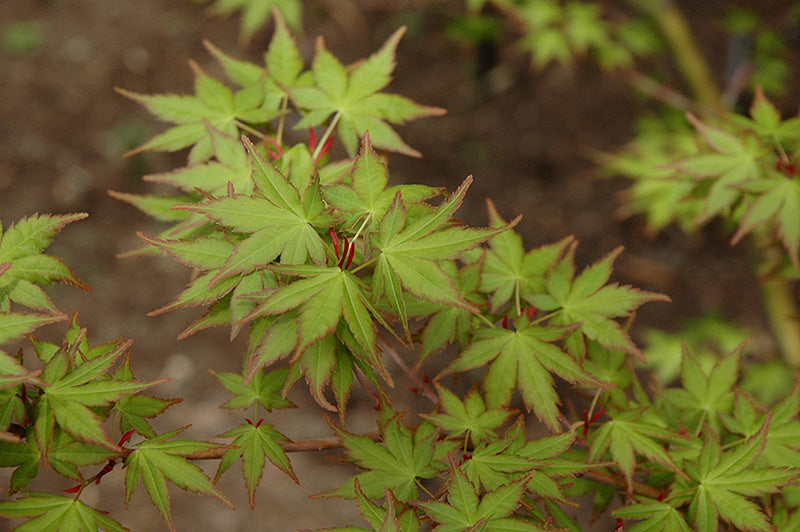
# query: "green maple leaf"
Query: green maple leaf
{"points": [[446, 323], [263, 388], [729, 164], [395, 517], [660, 193], [783, 440], [276, 219], [363, 196], [57, 513], [467, 511], [74, 384], [589, 301], [705, 395], [776, 200], [157, 460], [25, 457], [354, 99], [325, 296], [256, 13], [68, 454], [524, 359], [765, 120], [23, 267], [723, 481], [409, 252], [630, 433], [254, 443], [492, 464], [656, 516], [283, 61], [230, 165], [134, 410], [470, 417], [213, 104], [511, 274], [404, 458]]}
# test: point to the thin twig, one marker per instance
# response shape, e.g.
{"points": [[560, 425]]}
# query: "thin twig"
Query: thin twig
{"points": [[619, 481], [421, 385], [659, 92], [334, 442]]}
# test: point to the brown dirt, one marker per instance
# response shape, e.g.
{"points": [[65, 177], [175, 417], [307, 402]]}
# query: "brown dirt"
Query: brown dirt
{"points": [[63, 132]]}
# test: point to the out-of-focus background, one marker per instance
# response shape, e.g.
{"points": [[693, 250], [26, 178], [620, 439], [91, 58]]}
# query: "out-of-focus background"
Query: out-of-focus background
{"points": [[524, 134]]}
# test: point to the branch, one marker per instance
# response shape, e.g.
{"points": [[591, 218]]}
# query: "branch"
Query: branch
{"points": [[690, 61], [421, 385], [619, 481]]}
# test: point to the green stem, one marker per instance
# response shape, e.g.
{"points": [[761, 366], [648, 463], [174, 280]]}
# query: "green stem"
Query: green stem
{"points": [[363, 224], [691, 62], [779, 300], [327, 134], [485, 320], [594, 403], [362, 266], [282, 120], [249, 129]]}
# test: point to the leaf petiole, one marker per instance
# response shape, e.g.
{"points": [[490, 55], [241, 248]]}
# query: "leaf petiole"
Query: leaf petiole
{"points": [[327, 134]]}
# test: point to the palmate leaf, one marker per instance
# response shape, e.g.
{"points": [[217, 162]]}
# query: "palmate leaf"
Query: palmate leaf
{"points": [[256, 13], [56, 513], [448, 324], [656, 516], [727, 164], [230, 165], [263, 388], [493, 464], [630, 433], [159, 459], [363, 197], [213, 104], [723, 480], [25, 457], [705, 397], [24, 267], [470, 417], [354, 99], [404, 457], [133, 411], [73, 386], [523, 358], [509, 273], [276, 219], [325, 296], [465, 510], [776, 200], [409, 252], [589, 301], [254, 443]]}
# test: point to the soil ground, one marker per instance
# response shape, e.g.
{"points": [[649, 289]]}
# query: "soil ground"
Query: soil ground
{"points": [[524, 137]]}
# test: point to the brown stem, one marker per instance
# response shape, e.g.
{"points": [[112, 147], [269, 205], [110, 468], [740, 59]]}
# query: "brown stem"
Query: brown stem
{"points": [[619, 481], [421, 385], [660, 92], [334, 442]]}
